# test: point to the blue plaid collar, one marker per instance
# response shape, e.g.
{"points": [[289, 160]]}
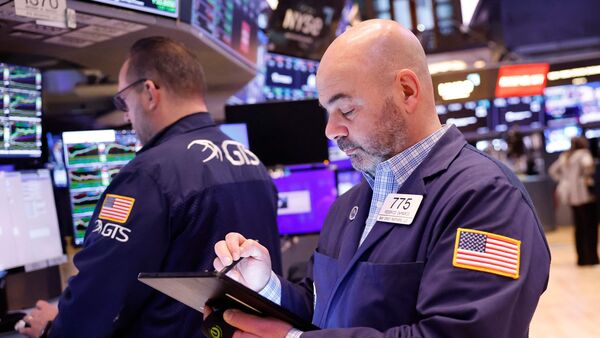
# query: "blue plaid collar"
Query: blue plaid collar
{"points": [[405, 162]]}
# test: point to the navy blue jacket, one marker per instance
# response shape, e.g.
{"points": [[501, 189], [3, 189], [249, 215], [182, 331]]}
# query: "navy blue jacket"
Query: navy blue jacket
{"points": [[401, 282], [185, 189]]}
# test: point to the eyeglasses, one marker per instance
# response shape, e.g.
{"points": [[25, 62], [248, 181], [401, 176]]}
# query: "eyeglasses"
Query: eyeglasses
{"points": [[119, 101]]}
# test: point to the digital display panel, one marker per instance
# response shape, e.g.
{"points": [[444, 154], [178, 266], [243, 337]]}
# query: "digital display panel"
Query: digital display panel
{"points": [[559, 139], [472, 117], [168, 8], [232, 24], [20, 111], [527, 112], [348, 179], [569, 104], [93, 158], [289, 78], [29, 229], [304, 200]]}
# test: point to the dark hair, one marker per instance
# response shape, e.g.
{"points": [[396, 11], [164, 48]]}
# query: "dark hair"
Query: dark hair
{"points": [[579, 142], [169, 63]]}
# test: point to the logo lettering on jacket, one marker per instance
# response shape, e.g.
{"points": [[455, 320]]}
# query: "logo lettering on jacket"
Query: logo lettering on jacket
{"points": [[235, 152], [112, 231]]}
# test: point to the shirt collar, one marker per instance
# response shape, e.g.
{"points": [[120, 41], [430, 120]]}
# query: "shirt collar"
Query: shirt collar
{"points": [[395, 164], [187, 123]]}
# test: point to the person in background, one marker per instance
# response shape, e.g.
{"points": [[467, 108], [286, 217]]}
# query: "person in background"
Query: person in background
{"points": [[574, 170], [440, 240], [186, 188]]}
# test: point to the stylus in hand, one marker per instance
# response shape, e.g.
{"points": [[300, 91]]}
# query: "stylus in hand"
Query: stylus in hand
{"points": [[228, 268]]}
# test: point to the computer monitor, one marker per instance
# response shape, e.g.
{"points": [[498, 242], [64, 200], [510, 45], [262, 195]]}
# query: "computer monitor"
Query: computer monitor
{"points": [[347, 179], [93, 158], [559, 139], [20, 111], [237, 131], [283, 133], [304, 200], [29, 229]]}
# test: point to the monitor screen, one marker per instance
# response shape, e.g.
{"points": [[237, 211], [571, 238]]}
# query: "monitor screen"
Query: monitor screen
{"points": [[20, 111], [304, 200], [571, 103], [282, 133], [559, 139], [232, 24], [526, 112], [237, 132], [93, 158], [348, 179], [29, 229], [471, 118], [289, 78], [169, 8]]}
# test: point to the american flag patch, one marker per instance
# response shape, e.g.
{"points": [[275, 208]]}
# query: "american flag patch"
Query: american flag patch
{"points": [[485, 251], [116, 208]]}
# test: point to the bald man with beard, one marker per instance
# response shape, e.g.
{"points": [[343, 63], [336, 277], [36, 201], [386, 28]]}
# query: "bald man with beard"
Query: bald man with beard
{"points": [[438, 241]]}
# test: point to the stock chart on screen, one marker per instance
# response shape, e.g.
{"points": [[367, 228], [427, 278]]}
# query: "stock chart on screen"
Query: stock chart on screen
{"points": [[232, 24], [20, 111], [93, 158]]}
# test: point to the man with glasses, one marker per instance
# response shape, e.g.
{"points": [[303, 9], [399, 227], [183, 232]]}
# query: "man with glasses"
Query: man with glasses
{"points": [[187, 187]]}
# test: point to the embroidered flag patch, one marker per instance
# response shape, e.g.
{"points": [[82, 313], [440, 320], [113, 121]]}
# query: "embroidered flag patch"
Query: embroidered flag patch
{"points": [[488, 252], [116, 208]]}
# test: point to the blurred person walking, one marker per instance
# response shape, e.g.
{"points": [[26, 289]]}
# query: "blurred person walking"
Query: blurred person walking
{"points": [[573, 171]]}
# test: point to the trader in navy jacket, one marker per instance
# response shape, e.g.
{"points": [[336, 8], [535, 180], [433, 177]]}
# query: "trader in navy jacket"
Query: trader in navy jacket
{"points": [[439, 241], [186, 188]]}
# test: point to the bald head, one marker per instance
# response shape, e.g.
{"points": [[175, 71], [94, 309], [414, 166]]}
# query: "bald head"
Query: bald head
{"points": [[374, 82], [381, 46]]}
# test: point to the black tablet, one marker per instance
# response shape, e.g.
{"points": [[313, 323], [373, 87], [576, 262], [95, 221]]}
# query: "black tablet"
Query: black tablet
{"points": [[195, 289]]}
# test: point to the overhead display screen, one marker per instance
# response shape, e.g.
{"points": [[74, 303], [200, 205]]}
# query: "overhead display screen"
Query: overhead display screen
{"points": [[168, 8], [231, 23], [569, 104], [290, 78], [20, 111], [527, 112], [470, 118]]}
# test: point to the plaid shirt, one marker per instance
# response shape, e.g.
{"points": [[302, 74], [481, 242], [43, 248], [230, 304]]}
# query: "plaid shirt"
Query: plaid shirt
{"points": [[391, 174], [389, 177]]}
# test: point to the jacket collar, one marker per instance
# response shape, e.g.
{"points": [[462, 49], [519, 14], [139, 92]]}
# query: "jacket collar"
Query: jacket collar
{"points": [[443, 153], [183, 125]]}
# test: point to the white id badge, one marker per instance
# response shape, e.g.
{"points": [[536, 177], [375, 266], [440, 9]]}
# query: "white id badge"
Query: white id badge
{"points": [[399, 208]]}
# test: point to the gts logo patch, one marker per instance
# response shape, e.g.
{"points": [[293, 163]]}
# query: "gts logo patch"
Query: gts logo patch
{"points": [[233, 151], [113, 231]]}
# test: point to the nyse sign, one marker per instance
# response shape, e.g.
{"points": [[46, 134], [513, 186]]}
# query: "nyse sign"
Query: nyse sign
{"points": [[304, 23]]}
